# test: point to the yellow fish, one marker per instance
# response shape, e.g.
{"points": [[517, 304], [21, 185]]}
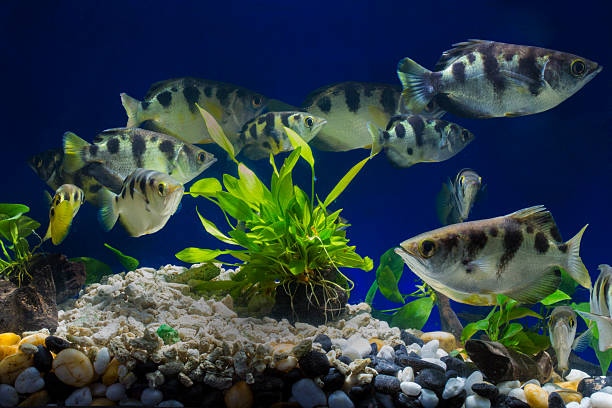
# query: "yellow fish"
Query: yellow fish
{"points": [[65, 204]]}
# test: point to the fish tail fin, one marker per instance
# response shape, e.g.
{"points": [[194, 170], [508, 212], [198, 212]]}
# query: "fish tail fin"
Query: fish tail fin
{"points": [[375, 133], [73, 146], [108, 213], [576, 268], [418, 89], [131, 109]]}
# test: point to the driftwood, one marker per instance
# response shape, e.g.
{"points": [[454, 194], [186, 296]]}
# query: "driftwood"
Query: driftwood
{"points": [[449, 321]]}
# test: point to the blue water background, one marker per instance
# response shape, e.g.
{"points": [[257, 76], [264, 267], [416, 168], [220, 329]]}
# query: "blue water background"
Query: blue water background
{"points": [[64, 64]]}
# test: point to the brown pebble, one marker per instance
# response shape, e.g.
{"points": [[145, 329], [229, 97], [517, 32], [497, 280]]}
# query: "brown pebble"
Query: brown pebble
{"points": [[35, 339], [102, 402], [6, 351], [536, 397], [13, 365], [570, 396], [239, 396], [111, 374], [9, 339], [72, 367], [37, 399], [447, 340]]}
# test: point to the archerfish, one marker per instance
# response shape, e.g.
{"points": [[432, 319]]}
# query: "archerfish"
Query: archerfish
{"points": [[455, 200], [170, 107], [147, 200], [266, 134], [411, 139], [487, 79], [65, 205], [562, 331], [116, 153], [601, 307], [349, 106], [517, 255]]}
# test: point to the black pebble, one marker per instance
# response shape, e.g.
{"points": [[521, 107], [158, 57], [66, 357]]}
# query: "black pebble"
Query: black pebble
{"points": [[324, 341], [142, 369], [384, 400], [267, 383], [266, 398], [56, 344], [345, 359], [57, 389], [451, 374], [554, 400], [409, 339], [457, 401], [171, 389], [369, 402], [589, 385], [43, 360], [405, 401], [292, 376], [334, 380], [400, 348], [453, 363], [373, 360], [314, 363], [414, 355], [417, 364], [387, 384], [486, 390], [359, 392], [512, 402], [432, 379], [374, 347], [385, 367]]}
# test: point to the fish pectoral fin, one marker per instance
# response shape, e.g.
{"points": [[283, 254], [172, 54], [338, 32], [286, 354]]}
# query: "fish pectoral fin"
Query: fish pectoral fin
{"points": [[105, 176], [539, 289], [486, 265], [379, 117], [604, 327], [582, 342], [522, 82], [62, 220]]}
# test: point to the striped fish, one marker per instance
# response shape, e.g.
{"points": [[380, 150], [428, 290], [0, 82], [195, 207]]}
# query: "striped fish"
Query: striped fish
{"points": [[266, 134], [411, 139], [601, 307], [170, 107], [455, 200], [64, 207], [349, 106], [487, 79], [116, 153], [562, 331], [147, 200], [517, 255]]}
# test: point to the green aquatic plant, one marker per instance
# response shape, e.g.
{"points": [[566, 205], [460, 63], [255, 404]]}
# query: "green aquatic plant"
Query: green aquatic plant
{"points": [[413, 314], [168, 334], [94, 269], [287, 236], [128, 262], [15, 228]]}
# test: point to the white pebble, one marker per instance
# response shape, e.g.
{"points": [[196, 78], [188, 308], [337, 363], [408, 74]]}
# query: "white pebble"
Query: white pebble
{"points": [[101, 361], [410, 388], [572, 404], [601, 400], [81, 396], [8, 396], [357, 347], [532, 381], [441, 353], [586, 402], [518, 393], [505, 387], [453, 387], [430, 348], [98, 389], [122, 371], [151, 396], [550, 387], [29, 381], [386, 352], [407, 374], [415, 348], [607, 389], [475, 377], [476, 401], [574, 375], [170, 403], [428, 398], [435, 361], [115, 392]]}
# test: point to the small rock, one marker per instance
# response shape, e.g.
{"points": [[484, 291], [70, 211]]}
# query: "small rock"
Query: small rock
{"points": [[223, 311], [324, 341], [416, 363], [451, 374], [151, 396], [13, 365], [454, 363], [409, 339], [8, 396], [111, 374], [518, 393], [586, 402], [57, 389], [446, 340], [339, 399], [56, 344], [607, 389], [506, 386], [429, 349], [356, 347], [435, 361], [9, 339], [453, 387], [434, 380], [334, 380], [308, 394], [381, 400], [173, 403], [81, 396], [536, 396], [486, 390], [38, 399], [512, 402], [386, 352], [34, 339], [555, 401], [43, 360], [314, 363], [601, 400], [29, 381], [476, 401], [28, 348], [407, 374], [115, 392], [101, 361], [405, 401], [576, 375], [385, 367], [73, 367], [573, 404], [386, 384], [475, 377], [410, 388], [98, 389], [428, 398], [374, 349], [239, 396]]}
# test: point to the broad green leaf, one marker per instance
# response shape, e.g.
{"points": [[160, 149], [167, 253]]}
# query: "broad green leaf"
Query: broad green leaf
{"points": [[472, 328], [8, 210], [234, 206], [216, 132], [520, 312], [297, 266], [243, 239], [252, 188], [530, 343], [26, 225], [512, 329], [568, 284], [388, 284], [369, 299], [199, 255], [13, 231], [377, 314], [128, 262], [95, 269], [555, 297], [296, 140], [205, 187], [344, 182], [214, 231], [413, 315]]}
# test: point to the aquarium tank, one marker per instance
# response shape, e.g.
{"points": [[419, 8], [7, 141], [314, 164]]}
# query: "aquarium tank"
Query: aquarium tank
{"points": [[306, 204]]}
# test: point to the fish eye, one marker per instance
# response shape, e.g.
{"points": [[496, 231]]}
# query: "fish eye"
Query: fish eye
{"points": [[578, 67], [461, 180], [465, 135], [161, 188], [256, 101], [427, 248], [308, 121], [429, 107], [201, 157], [572, 323]]}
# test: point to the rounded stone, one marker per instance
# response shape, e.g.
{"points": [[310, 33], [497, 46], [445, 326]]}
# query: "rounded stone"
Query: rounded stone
{"points": [[34, 339], [518, 393], [385, 367], [111, 374], [339, 399], [307, 393], [81, 396], [386, 384], [171, 403], [29, 381], [453, 387], [9, 339], [239, 396], [151, 396], [407, 374], [601, 400], [324, 341], [314, 363], [98, 389], [512, 402], [345, 359], [428, 398], [72, 367], [409, 339], [585, 402], [102, 402], [115, 392], [430, 348], [6, 351], [555, 400], [454, 363], [475, 377], [28, 348], [333, 380], [38, 399], [56, 344], [43, 360], [476, 401], [101, 361], [431, 379], [13, 365], [446, 340], [486, 390], [536, 396], [8, 396], [410, 388], [573, 404]]}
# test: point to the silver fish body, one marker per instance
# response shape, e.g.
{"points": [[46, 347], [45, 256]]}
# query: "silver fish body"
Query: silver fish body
{"points": [[65, 205], [562, 331], [147, 200], [456, 199], [517, 255], [486, 79], [170, 107], [411, 139], [601, 306], [116, 153], [349, 106]]}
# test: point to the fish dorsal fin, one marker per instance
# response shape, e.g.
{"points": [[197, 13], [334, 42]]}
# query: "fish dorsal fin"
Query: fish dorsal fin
{"points": [[539, 289], [538, 216], [157, 87], [106, 133], [458, 50]]}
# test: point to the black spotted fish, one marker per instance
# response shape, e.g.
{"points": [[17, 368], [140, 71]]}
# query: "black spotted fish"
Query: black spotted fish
{"points": [[562, 331], [601, 307], [487, 79], [411, 139], [517, 255], [116, 153], [147, 200], [455, 199], [266, 134], [65, 205], [349, 106], [170, 107]]}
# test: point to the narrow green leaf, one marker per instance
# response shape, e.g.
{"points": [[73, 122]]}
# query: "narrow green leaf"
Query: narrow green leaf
{"points": [[413, 315], [472, 328], [296, 140], [555, 297], [234, 206], [14, 231], [214, 231], [253, 189], [205, 187], [369, 299], [520, 312], [8, 210], [216, 132], [128, 262], [94, 269], [344, 182], [199, 255]]}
